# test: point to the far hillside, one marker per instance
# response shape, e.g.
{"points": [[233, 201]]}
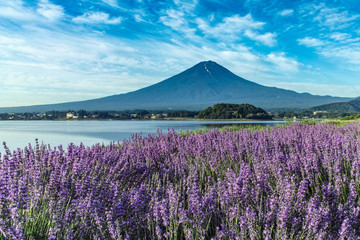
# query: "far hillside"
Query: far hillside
{"points": [[234, 111], [352, 106]]}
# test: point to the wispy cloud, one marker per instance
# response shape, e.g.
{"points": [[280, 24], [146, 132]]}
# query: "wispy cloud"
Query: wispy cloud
{"points": [[237, 27], [283, 63], [337, 47], [318, 88], [14, 10], [329, 17], [179, 21], [231, 26], [68, 62], [44, 11], [139, 18], [286, 12], [186, 5], [60, 46], [97, 18], [50, 11], [340, 36], [113, 3], [268, 39], [348, 54], [332, 34], [174, 19], [335, 18], [310, 42]]}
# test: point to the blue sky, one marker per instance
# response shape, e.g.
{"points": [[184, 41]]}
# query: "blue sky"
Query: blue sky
{"points": [[60, 50]]}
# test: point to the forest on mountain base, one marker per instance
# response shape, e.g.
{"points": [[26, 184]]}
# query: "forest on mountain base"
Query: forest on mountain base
{"points": [[233, 111]]}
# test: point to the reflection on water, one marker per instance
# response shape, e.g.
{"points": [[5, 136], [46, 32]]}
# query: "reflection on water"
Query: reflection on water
{"points": [[21, 133]]}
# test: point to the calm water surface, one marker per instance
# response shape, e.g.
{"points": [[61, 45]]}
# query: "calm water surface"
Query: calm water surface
{"points": [[21, 133]]}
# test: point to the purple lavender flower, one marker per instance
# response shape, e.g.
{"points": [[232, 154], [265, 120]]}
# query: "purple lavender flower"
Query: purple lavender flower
{"points": [[295, 182]]}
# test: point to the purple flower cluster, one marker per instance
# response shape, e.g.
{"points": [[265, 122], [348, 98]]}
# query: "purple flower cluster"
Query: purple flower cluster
{"points": [[294, 182]]}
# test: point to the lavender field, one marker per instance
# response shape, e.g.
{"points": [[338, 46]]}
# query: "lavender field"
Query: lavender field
{"points": [[294, 182]]}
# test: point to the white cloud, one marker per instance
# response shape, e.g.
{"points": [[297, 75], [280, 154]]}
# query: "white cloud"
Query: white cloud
{"points": [[211, 17], [283, 63], [323, 89], [349, 54], [311, 9], [140, 15], [186, 5], [112, 3], [138, 18], [174, 19], [335, 18], [339, 48], [236, 27], [31, 85], [177, 20], [336, 39], [96, 18], [15, 10], [310, 42], [67, 61], [231, 25], [267, 39], [58, 60], [72, 62], [340, 36], [50, 11], [10, 40], [286, 12]]}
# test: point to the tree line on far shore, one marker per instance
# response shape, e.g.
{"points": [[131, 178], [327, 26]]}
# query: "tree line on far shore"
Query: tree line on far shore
{"points": [[233, 111], [218, 111]]}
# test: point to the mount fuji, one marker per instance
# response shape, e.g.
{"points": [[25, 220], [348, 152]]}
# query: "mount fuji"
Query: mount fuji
{"points": [[196, 88]]}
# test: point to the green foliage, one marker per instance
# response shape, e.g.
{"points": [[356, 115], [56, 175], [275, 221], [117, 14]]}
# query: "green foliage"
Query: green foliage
{"points": [[351, 117], [182, 114], [233, 111], [308, 122]]}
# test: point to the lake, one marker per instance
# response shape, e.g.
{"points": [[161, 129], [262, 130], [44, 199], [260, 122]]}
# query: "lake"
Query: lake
{"points": [[21, 133]]}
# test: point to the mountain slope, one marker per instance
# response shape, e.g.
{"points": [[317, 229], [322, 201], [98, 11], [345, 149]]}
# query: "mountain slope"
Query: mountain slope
{"points": [[203, 85], [346, 107]]}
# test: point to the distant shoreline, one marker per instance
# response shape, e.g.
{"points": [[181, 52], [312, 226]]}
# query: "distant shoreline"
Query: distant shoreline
{"points": [[167, 119]]}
